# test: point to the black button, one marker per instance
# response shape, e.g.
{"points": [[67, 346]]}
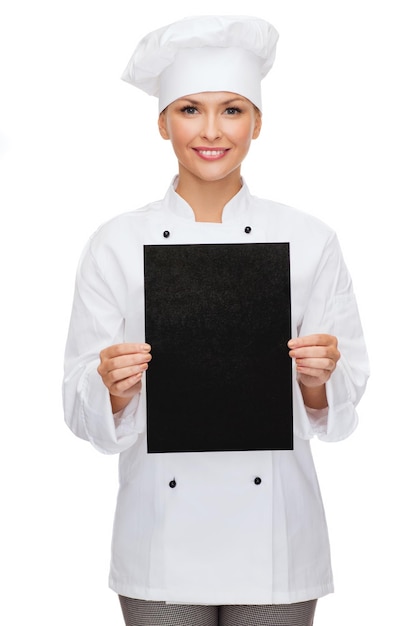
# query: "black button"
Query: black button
{"points": [[248, 230], [172, 484], [166, 234], [257, 480]]}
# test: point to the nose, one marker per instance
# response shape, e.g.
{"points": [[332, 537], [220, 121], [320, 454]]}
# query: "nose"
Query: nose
{"points": [[211, 129]]}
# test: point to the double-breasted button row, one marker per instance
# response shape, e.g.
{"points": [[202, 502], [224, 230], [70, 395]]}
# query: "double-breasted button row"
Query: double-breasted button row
{"points": [[166, 233], [173, 483]]}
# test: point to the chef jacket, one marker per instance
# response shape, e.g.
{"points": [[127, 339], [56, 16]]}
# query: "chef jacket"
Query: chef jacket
{"points": [[233, 527]]}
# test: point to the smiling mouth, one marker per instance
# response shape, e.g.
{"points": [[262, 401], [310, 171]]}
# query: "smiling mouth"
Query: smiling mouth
{"points": [[210, 153]]}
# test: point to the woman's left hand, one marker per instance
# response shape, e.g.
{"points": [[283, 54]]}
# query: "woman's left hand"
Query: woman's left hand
{"points": [[315, 358]]}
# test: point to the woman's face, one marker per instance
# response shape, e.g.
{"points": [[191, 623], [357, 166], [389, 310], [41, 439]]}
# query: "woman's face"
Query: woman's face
{"points": [[211, 133]]}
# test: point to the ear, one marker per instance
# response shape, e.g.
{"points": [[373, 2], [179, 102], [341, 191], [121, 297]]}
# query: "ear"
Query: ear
{"points": [[162, 125], [258, 124]]}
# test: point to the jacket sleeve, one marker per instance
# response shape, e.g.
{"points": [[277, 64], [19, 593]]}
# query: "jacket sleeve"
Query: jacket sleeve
{"points": [[332, 309], [96, 323]]}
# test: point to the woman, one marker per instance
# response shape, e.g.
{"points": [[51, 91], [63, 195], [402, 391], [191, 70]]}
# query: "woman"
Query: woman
{"points": [[215, 537]]}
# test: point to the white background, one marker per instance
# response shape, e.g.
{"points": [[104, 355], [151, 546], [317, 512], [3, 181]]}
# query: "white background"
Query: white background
{"points": [[79, 146]]}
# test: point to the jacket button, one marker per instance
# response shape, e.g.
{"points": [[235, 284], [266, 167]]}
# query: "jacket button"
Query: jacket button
{"points": [[166, 234], [257, 480], [248, 230], [172, 484]]}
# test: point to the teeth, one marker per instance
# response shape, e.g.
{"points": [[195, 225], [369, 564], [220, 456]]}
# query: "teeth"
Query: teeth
{"points": [[211, 152]]}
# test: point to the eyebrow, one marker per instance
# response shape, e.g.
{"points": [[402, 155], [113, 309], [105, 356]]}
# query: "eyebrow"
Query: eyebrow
{"points": [[223, 103]]}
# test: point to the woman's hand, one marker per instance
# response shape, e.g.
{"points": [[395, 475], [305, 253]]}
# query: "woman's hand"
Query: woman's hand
{"points": [[121, 369], [315, 358]]}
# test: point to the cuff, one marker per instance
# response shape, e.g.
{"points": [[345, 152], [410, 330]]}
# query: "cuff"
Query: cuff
{"points": [[99, 422]]}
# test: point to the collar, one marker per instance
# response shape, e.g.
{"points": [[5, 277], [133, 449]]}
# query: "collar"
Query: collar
{"points": [[236, 208]]}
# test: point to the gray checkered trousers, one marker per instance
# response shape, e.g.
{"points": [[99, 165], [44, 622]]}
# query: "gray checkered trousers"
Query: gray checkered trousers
{"points": [[145, 613]]}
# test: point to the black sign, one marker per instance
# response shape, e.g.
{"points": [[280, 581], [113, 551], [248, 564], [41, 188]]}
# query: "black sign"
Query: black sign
{"points": [[218, 318]]}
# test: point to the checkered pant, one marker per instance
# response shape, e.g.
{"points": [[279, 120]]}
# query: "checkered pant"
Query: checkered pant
{"points": [[145, 613]]}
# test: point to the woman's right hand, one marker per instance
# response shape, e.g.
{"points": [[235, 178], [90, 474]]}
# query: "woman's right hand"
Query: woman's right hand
{"points": [[121, 369]]}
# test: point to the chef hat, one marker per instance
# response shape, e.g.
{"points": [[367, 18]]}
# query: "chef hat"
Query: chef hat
{"points": [[204, 53]]}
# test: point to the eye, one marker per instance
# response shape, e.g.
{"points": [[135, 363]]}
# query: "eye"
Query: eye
{"points": [[189, 110], [233, 111]]}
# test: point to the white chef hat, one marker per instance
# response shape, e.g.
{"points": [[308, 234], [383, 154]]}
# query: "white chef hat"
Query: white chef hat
{"points": [[204, 53]]}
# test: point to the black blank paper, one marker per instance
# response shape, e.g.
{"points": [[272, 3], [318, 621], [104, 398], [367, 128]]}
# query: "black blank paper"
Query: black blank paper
{"points": [[218, 319]]}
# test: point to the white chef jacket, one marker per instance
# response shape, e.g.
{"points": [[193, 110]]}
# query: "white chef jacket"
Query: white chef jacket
{"points": [[197, 527]]}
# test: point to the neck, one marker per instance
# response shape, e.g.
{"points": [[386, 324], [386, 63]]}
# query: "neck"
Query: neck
{"points": [[208, 198]]}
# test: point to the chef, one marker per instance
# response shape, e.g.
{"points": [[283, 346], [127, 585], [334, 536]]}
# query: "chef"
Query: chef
{"points": [[218, 529]]}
